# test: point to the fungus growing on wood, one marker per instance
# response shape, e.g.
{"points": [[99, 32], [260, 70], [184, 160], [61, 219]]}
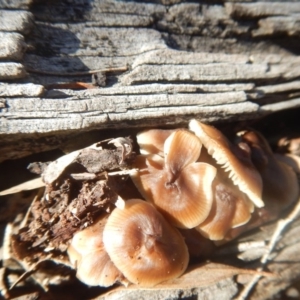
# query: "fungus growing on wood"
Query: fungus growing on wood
{"points": [[234, 159], [280, 185], [86, 252], [177, 185], [143, 245]]}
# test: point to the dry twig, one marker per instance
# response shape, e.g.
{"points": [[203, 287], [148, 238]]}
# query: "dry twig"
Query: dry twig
{"points": [[83, 73]]}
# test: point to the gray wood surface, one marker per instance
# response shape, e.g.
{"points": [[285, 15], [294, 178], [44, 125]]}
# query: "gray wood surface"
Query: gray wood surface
{"points": [[218, 62]]}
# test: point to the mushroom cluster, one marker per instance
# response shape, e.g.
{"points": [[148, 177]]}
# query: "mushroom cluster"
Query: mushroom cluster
{"points": [[133, 244], [280, 184], [198, 179], [178, 185], [197, 185]]}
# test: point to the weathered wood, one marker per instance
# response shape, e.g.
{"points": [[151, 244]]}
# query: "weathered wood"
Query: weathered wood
{"points": [[9, 70], [262, 9], [12, 46], [16, 20], [15, 4], [278, 25], [20, 90], [180, 57]]}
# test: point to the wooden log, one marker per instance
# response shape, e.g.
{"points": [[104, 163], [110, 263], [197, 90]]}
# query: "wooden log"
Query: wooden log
{"points": [[223, 62], [179, 58]]}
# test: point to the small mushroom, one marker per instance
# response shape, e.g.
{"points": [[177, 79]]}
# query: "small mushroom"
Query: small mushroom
{"points": [[143, 245], [234, 159], [230, 209], [177, 185], [152, 141], [280, 185], [86, 252]]}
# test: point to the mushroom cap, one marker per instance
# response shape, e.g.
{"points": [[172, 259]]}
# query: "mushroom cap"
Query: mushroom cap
{"points": [[87, 253], [152, 141], [143, 245], [280, 184], [181, 149], [230, 209], [236, 161], [178, 186]]}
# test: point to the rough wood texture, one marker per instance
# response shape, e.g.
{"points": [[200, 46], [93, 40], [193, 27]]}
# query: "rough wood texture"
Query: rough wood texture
{"points": [[15, 4], [219, 62], [16, 20], [12, 46], [10, 70], [224, 61]]}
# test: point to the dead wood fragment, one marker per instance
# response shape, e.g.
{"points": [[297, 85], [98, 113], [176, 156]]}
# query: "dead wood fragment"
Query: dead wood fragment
{"points": [[96, 158], [68, 204]]}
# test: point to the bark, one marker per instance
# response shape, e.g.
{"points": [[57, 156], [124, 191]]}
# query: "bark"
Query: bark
{"points": [[218, 62]]}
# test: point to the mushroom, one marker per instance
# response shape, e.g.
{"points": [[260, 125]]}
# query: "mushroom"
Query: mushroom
{"points": [[143, 245], [234, 159], [87, 253], [177, 185], [231, 208], [152, 141], [280, 185]]}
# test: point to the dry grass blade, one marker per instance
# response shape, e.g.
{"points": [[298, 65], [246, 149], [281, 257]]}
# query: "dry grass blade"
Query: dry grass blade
{"points": [[28, 185]]}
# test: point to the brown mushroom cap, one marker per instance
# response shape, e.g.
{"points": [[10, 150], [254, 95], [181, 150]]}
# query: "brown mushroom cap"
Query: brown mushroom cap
{"points": [[143, 245], [280, 184], [235, 161], [87, 253], [178, 186], [231, 208], [181, 149], [152, 141]]}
